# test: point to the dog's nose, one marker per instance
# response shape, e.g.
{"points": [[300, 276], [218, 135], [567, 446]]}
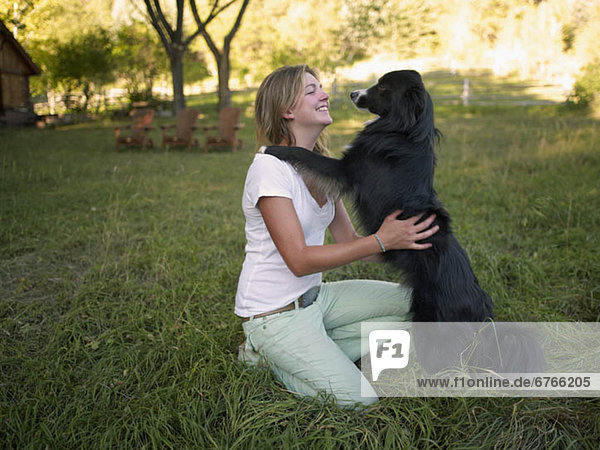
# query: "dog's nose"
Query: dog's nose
{"points": [[354, 95]]}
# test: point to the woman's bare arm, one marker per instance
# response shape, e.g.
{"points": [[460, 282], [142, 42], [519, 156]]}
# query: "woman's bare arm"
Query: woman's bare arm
{"points": [[342, 230], [284, 227]]}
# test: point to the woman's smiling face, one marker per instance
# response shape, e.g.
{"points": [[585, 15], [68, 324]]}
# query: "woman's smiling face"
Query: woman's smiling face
{"points": [[312, 106]]}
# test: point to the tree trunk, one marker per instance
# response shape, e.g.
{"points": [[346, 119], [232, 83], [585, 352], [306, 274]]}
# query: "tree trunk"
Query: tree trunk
{"points": [[176, 60], [223, 69], [86, 94]]}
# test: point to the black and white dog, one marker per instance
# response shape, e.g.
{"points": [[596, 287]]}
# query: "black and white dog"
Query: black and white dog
{"points": [[390, 166]]}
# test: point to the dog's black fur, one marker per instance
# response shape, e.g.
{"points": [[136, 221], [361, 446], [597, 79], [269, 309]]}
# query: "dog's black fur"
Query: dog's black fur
{"points": [[390, 166]]}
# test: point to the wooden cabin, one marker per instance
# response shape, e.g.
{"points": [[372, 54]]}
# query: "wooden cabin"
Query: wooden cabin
{"points": [[16, 67]]}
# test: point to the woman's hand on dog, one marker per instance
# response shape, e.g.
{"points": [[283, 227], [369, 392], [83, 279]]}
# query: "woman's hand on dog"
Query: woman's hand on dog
{"points": [[405, 234]]}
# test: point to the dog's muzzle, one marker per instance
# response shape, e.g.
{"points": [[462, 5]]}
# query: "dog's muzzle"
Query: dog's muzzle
{"points": [[357, 96]]}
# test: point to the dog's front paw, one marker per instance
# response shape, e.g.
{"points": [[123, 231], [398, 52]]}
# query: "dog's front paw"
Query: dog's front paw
{"points": [[290, 154], [274, 151]]}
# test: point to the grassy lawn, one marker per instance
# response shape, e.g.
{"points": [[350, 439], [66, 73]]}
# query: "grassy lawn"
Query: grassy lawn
{"points": [[118, 274]]}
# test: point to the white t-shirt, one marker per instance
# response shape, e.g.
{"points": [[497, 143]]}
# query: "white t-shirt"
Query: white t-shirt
{"points": [[266, 283]]}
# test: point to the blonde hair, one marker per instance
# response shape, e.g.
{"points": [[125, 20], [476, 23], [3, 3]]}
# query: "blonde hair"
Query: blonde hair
{"points": [[277, 94]]}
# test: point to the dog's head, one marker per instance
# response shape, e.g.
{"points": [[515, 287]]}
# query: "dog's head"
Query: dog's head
{"points": [[401, 101]]}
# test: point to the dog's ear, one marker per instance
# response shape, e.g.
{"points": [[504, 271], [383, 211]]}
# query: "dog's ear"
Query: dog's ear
{"points": [[424, 127], [413, 111]]}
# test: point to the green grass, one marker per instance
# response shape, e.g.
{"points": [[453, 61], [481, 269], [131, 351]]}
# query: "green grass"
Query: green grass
{"points": [[118, 274]]}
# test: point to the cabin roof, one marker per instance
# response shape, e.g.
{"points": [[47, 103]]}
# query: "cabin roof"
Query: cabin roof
{"points": [[6, 34]]}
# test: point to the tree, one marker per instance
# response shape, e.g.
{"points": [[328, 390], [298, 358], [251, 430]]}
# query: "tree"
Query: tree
{"points": [[139, 59], [84, 63], [221, 56], [295, 33], [353, 30], [12, 14], [176, 43]]}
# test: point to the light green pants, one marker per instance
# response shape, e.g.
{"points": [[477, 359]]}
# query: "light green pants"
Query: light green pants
{"points": [[313, 349]]}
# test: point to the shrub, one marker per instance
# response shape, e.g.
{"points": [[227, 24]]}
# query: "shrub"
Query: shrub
{"points": [[586, 89]]}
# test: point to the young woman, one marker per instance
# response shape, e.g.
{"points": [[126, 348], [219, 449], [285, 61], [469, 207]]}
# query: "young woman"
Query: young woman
{"points": [[308, 331]]}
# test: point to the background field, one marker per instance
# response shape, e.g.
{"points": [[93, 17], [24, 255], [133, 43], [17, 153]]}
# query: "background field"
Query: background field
{"points": [[118, 274]]}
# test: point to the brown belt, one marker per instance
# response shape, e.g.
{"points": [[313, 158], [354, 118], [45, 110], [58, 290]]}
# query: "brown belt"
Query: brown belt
{"points": [[275, 311]]}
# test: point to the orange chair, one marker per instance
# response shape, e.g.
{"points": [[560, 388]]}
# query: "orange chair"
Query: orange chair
{"points": [[227, 130], [140, 125], [185, 127]]}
